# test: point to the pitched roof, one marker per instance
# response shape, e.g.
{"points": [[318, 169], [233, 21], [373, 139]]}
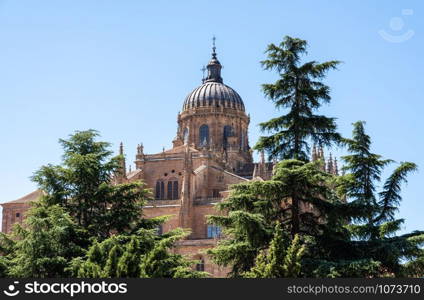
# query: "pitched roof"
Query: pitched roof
{"points": [[27, 198], [134, 173]]}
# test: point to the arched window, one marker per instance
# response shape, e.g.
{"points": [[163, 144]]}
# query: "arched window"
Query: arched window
{"points": [[228, 131], [200, 266], [160, 190], [203, 135], [185, 136], [172, 190]]}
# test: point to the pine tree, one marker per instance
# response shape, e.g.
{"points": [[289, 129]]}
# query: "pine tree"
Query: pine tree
{"points": [[144, 254], [292, 260], [111, 268], [44, 245], [281, 259], [414, 268], [253, 208], [346, 227], [374, 230], [129, 263], [300, 90], [161, 263], [86, 226], [82, 185]]}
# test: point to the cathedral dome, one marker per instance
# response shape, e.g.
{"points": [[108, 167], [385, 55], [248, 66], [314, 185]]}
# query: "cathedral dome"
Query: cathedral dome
{"points": [[213, 92]]}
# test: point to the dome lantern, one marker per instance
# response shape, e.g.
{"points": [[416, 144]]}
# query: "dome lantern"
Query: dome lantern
{"points": [[214, 67], [213, 92]]}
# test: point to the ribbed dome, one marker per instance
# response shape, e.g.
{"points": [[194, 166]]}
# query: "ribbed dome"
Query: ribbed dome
{"points": [[213, 94]]}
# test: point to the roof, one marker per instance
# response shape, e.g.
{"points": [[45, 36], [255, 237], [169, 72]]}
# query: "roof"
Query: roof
{"points": [[133, 173], [213, 94], [180, 149], [33, 196], [203, 167]]}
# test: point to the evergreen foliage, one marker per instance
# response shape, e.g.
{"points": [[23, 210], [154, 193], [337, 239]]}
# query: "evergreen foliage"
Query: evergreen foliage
{"points": [[44, 245], [160, 263], [82, 185], [374, 231], [347, 227], [281, 259], [253, 208], [144, 254], [300, 90], [86, 225]]}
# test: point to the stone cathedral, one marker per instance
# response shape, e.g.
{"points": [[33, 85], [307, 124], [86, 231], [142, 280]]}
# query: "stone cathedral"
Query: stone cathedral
{"points": [[210, 152]]}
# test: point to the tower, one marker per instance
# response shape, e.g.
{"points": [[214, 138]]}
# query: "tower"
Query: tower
{"points": [[213, 118]]}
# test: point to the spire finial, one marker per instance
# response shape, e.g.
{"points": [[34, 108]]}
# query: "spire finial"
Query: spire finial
{"points": [[214, 67], [213, 47], [140, 148], [121, 148]]}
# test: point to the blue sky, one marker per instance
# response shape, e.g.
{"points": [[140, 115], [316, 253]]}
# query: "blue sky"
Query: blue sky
{"points": [[125, 67]]}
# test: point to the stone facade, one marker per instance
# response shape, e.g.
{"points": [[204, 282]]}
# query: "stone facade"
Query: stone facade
{"points": [[14, 211]]}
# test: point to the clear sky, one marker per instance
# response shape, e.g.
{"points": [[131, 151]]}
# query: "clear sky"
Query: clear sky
{"points": [[125, 67]]}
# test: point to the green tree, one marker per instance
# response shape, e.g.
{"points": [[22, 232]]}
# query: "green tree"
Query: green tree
{"points": [[87, 225], [374, 229], [111, 267], [300, 90], [253, 208], [161, 263], [144, 254], [82, 185], [414, 268], [129, 263], [281, 259], [344, 234], [45, 244]]}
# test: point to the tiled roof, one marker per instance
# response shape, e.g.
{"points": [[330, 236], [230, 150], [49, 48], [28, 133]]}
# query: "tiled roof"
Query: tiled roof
{"points": [[27, 198]]}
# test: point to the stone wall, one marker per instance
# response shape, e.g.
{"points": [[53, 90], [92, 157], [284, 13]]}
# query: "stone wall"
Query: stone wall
{"points": [[13, 213]]}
